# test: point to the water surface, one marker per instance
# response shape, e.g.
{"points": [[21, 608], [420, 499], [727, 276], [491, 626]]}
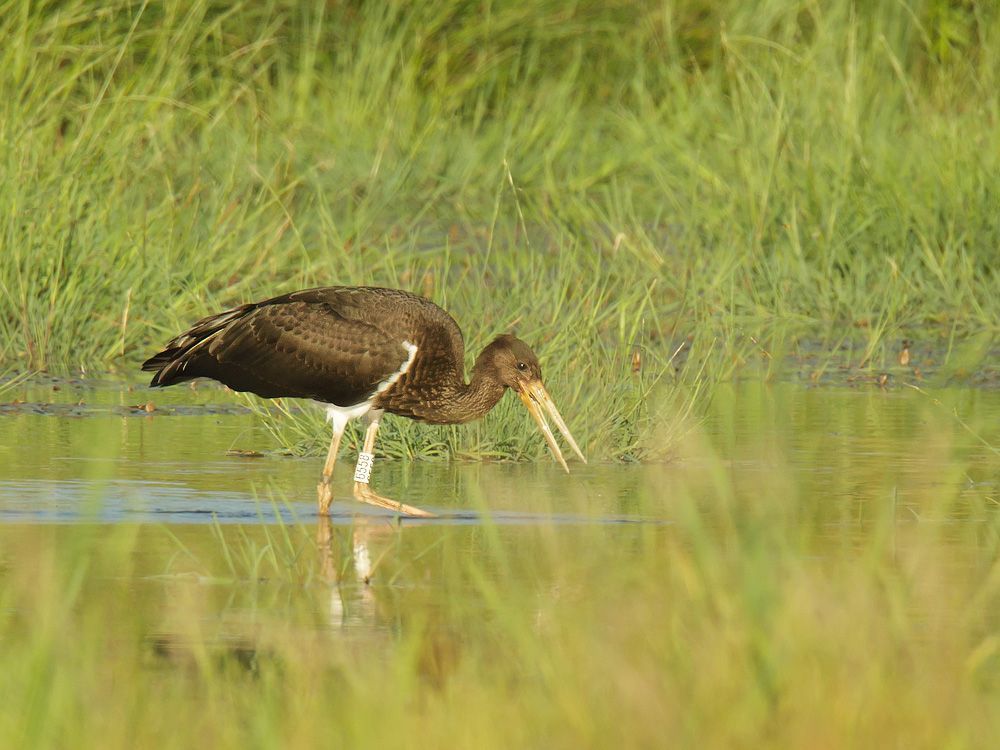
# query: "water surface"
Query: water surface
{"points": [[193, 497]]}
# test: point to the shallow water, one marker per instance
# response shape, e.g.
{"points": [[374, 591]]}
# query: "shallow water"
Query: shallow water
{"points": [[87, 451], [832, 468]]}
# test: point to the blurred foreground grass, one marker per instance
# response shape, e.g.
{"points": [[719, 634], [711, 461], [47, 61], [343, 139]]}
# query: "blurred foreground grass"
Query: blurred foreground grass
{"points": [[833, 583]]}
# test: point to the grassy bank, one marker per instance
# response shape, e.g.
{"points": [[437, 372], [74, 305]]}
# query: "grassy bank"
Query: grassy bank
{"points": [[605, 179]]}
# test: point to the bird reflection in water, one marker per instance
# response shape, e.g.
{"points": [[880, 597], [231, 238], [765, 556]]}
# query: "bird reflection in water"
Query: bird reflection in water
{"points": [[348, 564], [351, 562]]}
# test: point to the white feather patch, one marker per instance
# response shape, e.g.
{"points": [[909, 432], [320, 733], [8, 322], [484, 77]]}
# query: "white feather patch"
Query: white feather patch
{"points": [[391, 380], [339, 416]]}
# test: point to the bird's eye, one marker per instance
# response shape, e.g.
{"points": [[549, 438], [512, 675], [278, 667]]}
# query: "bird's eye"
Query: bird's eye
{"points": [[522, 366]]}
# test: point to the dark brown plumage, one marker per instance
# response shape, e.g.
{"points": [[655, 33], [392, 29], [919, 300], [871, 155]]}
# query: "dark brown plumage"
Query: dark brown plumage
{"points": [[361, 350]]}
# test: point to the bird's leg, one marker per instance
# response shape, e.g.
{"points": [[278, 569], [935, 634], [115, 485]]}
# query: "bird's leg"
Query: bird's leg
{"points": [[324, 493], [362, 473]]}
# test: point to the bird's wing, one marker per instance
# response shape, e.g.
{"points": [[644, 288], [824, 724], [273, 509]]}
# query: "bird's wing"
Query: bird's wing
{"points": [[297, 349]]}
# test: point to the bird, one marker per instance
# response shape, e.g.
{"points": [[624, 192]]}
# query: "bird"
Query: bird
{"points": [[359, 351]]}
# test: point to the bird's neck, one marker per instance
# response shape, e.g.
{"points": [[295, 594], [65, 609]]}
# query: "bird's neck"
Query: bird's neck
{"points": [[475, 399], [470, 401]]}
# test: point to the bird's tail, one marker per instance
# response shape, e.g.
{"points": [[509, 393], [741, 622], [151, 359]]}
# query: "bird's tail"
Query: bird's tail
{"points": [[170, 365]]}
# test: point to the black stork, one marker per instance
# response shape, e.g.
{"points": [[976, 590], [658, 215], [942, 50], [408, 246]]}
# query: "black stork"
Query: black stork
{"points": [[360, 351]]}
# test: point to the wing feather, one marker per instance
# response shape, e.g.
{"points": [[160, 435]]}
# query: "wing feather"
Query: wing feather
{"points": [[298, 349]]}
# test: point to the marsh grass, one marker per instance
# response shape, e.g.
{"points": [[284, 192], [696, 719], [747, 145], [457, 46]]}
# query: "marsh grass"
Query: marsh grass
{"points": [[600, 179]]}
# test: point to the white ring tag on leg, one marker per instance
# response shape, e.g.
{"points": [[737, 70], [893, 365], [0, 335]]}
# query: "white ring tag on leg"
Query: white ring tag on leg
{"points": [[363, 469]]}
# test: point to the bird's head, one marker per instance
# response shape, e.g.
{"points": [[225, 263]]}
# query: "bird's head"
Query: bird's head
{"points": [[513, 363], [510, 361]]}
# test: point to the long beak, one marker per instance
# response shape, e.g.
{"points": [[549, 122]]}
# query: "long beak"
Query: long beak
{"points": [[534, 395]]}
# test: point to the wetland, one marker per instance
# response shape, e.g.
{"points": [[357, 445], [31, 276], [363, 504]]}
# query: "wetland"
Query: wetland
{"points": [[755, 248]]}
